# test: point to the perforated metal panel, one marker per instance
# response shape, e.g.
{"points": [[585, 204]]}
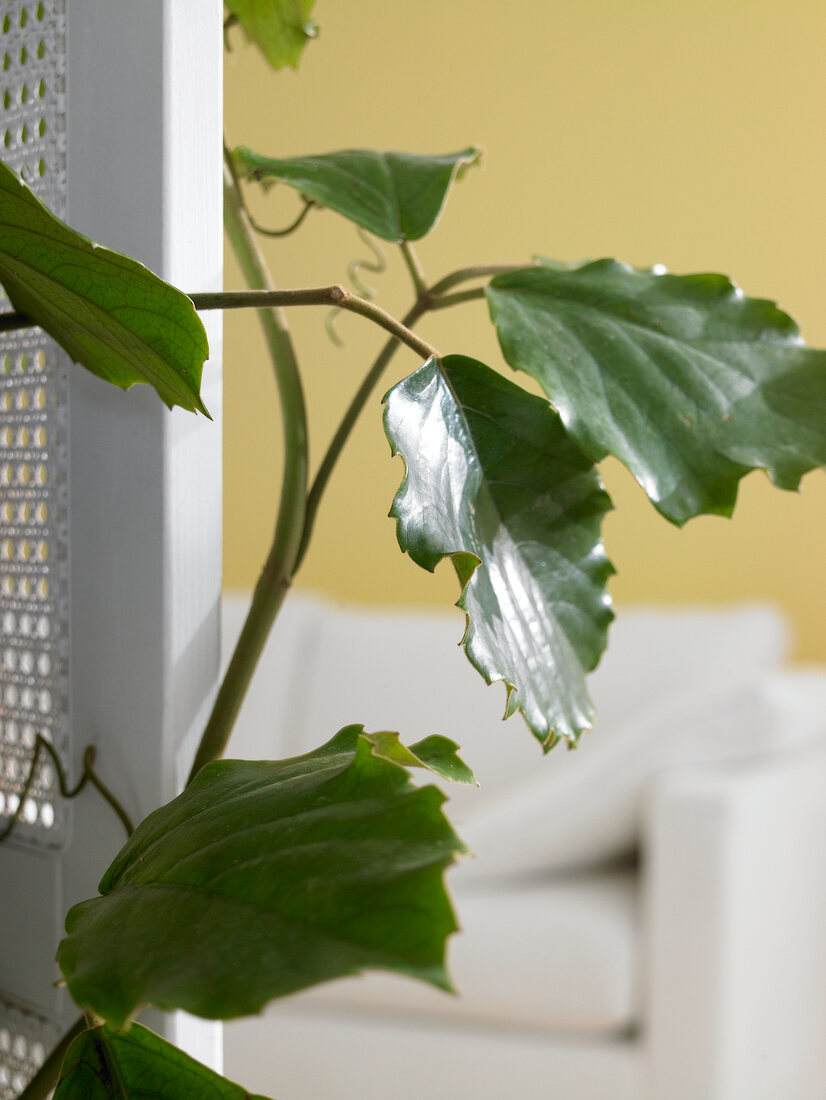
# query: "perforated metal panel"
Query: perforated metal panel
{"points": [[134, 87], [25, 1040], [34, 626]]}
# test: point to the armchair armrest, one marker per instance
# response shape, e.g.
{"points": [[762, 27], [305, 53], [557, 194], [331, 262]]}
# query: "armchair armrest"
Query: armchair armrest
{"points": [[735, 912]]}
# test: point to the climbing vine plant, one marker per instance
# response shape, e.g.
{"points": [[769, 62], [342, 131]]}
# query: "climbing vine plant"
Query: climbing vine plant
{"points": [[683, 379]]}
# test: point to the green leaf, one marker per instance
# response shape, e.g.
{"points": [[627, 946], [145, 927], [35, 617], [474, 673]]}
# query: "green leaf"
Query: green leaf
{"points": [[681, 377], [110, 313], [102, 1064], [494, 482], [437, 754], [264, 878], [397, 196], [280, 28]]}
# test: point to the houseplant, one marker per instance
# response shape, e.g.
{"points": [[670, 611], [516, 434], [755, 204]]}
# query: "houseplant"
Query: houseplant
{"points": [[697, 301]]}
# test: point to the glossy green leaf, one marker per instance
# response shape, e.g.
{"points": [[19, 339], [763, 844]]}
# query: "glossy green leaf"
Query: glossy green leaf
{"points": [[397, 196], [102, 1064], [684, 379], [494, 482], [280, 28], [110, 313], [263, 878]]}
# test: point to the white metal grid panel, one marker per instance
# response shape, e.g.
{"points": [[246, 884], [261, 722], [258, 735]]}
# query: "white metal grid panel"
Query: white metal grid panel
{"points": [[138, 153], [25, 1040], [34, 624]]}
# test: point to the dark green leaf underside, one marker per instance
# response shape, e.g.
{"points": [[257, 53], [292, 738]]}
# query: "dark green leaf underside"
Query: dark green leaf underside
{"points": [[103, 1064], [397, 196], [494, 482], [280, 28], [268, 877], [110, 313], [685, 380]]}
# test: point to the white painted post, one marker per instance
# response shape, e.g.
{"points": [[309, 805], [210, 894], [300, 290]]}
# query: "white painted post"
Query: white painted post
{"points": [[139, 104]]}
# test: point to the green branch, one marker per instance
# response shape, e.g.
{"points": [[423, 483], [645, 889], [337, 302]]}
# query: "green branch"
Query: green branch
{"points": [[465, 274], [444, 301], [414, 268], [335, 295], [436, 296], [278, 568]]}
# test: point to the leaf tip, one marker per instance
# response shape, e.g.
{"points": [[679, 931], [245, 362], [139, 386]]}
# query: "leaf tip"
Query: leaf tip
{"points": [[551, 741], [511, 700], [473, 157], [441, 979]]}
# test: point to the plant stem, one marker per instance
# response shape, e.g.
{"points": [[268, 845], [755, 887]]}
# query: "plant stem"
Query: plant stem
{"points": [[277, 571], [335, 295], [414, 267], [48, 1075], [481, 271], [444, 301], [399, 330], [346, 426], [266, 296]]}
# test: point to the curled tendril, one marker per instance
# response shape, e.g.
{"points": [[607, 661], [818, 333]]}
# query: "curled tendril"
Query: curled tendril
{"points": [[291, 228], [378, 266], [330, 328], [89, 775]]}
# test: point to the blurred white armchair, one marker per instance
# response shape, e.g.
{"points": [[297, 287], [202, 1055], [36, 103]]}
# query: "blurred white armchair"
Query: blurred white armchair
{"points": [[644, 918]]}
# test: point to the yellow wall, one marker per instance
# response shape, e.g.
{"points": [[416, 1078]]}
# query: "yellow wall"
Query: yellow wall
{"points": [[687, 133]]}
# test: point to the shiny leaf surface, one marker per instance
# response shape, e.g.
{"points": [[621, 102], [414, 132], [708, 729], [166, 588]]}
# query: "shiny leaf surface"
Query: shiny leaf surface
{"points": [[110, 313], [102, 1064], [397, 196], [280, 28], [494, 482], [264, 878], [684, 379]]}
